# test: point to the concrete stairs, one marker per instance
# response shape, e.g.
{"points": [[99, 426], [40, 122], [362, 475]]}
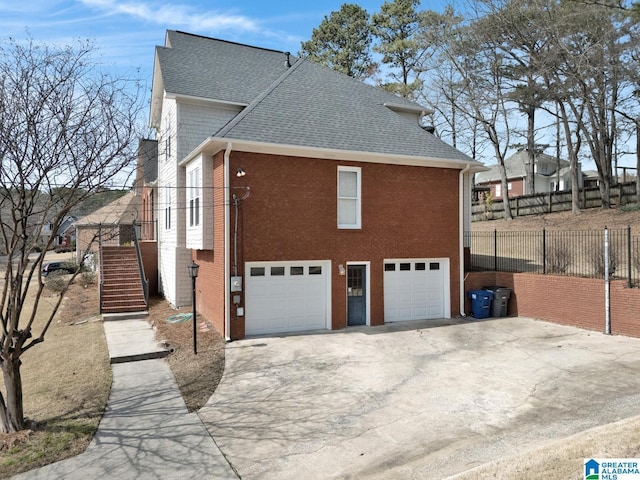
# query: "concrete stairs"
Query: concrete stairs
{"points": [[122, 285]]}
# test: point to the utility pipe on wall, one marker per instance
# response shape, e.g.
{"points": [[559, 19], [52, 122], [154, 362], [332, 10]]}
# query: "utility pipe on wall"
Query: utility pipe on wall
{"points": [[461, 233], [227, 269]]}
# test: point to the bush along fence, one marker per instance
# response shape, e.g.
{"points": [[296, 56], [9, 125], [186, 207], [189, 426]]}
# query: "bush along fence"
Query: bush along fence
{"points": [[589, 253], [539, 203]]}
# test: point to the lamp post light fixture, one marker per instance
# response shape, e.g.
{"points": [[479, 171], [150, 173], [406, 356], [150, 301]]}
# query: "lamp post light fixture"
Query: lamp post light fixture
{"points": [[193, 268]]}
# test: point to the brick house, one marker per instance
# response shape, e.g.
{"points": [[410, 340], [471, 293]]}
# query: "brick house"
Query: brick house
{"points": [[309, 199]]}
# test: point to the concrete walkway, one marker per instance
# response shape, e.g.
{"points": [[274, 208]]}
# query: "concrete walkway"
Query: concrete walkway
{"points": [[146, 431]]}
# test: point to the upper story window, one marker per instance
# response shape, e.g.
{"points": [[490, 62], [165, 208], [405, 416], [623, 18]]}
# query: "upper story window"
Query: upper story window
{"points": [[167, 212], [194, 197], [349, 197]]}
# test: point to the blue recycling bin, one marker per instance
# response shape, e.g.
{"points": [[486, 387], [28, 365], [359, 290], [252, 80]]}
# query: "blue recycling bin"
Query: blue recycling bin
{"points": [[480, 303]]}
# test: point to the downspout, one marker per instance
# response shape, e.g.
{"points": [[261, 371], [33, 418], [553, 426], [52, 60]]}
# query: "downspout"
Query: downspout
{"points": [[461, 234], [227, 271]]}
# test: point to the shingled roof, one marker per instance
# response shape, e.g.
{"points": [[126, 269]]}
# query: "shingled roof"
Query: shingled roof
{"points": [[215, 69], [123, 210], [314, 106], [515, 166], [306, 105]]}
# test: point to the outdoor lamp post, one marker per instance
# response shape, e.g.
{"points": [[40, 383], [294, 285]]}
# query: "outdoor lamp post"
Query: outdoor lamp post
{"points": [[193, 273]]}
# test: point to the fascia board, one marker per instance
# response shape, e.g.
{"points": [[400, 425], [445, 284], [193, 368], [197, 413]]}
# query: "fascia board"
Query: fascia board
{"points": [[213, 145], [157, 95]]}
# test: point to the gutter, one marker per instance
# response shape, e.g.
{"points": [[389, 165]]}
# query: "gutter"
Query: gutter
{"points": [[461, 235], [213, 145], [227, 271]]}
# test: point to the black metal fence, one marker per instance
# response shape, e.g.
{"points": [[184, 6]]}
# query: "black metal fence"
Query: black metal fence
{"points": [[571, 253]]}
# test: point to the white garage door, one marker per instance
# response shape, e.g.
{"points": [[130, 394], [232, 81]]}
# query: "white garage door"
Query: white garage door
{"points": [[416, 289], [286, 296]]}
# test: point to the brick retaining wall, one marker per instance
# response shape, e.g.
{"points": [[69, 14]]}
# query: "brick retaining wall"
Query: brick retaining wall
{"points": [[571, 301]]}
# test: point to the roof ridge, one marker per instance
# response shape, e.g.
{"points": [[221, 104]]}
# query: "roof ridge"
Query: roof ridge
{"points": [[229, 42], [238, 118]]}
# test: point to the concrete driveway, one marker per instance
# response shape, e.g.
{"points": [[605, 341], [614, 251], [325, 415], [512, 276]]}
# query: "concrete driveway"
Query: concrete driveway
{"points": [[416, 400]]}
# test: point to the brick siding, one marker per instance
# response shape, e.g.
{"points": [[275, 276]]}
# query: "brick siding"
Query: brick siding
{"points": [[210, 283], [291, 214]]}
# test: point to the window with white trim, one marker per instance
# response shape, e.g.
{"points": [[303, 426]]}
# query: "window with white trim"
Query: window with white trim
{"points": [[349, 197], [167, 210], [194, 197], [498, 190]]}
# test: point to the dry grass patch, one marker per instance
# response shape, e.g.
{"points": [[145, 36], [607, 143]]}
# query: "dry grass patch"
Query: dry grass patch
{"points": [[590, 219], [564, 459], [66, 384], [197, 375]]}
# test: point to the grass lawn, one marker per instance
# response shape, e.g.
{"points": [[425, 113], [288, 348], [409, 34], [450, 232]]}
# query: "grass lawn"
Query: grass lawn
{"points": [[66, 383]]}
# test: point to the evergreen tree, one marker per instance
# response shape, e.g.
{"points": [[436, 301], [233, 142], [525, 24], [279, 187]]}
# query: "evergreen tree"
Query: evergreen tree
{"points": [[399, 28], [342, 41]]}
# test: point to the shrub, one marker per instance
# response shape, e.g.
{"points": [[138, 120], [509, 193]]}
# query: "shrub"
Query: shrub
{"points": [[56, 281], [87, 278], [630, 207], [558, 256], [597, 259], [487, 204]]}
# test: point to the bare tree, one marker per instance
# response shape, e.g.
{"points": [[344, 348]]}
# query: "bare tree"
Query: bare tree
{"points": [[517, 29], [594, 42], [67, 130], [480, 90]]}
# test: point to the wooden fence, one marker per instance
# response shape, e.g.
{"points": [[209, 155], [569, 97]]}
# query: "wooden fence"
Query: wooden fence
{"points": [[539, 203]]}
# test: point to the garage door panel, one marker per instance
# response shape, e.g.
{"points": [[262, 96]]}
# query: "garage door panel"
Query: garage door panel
{"points": [[421, 312], [421, 296], [290, 296], [419, 291]]}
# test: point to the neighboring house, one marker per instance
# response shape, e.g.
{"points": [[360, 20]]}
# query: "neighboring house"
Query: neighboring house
{"points": [[309, 199], [113, 223], [590, 178], [549, 172], [65, 234]]}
